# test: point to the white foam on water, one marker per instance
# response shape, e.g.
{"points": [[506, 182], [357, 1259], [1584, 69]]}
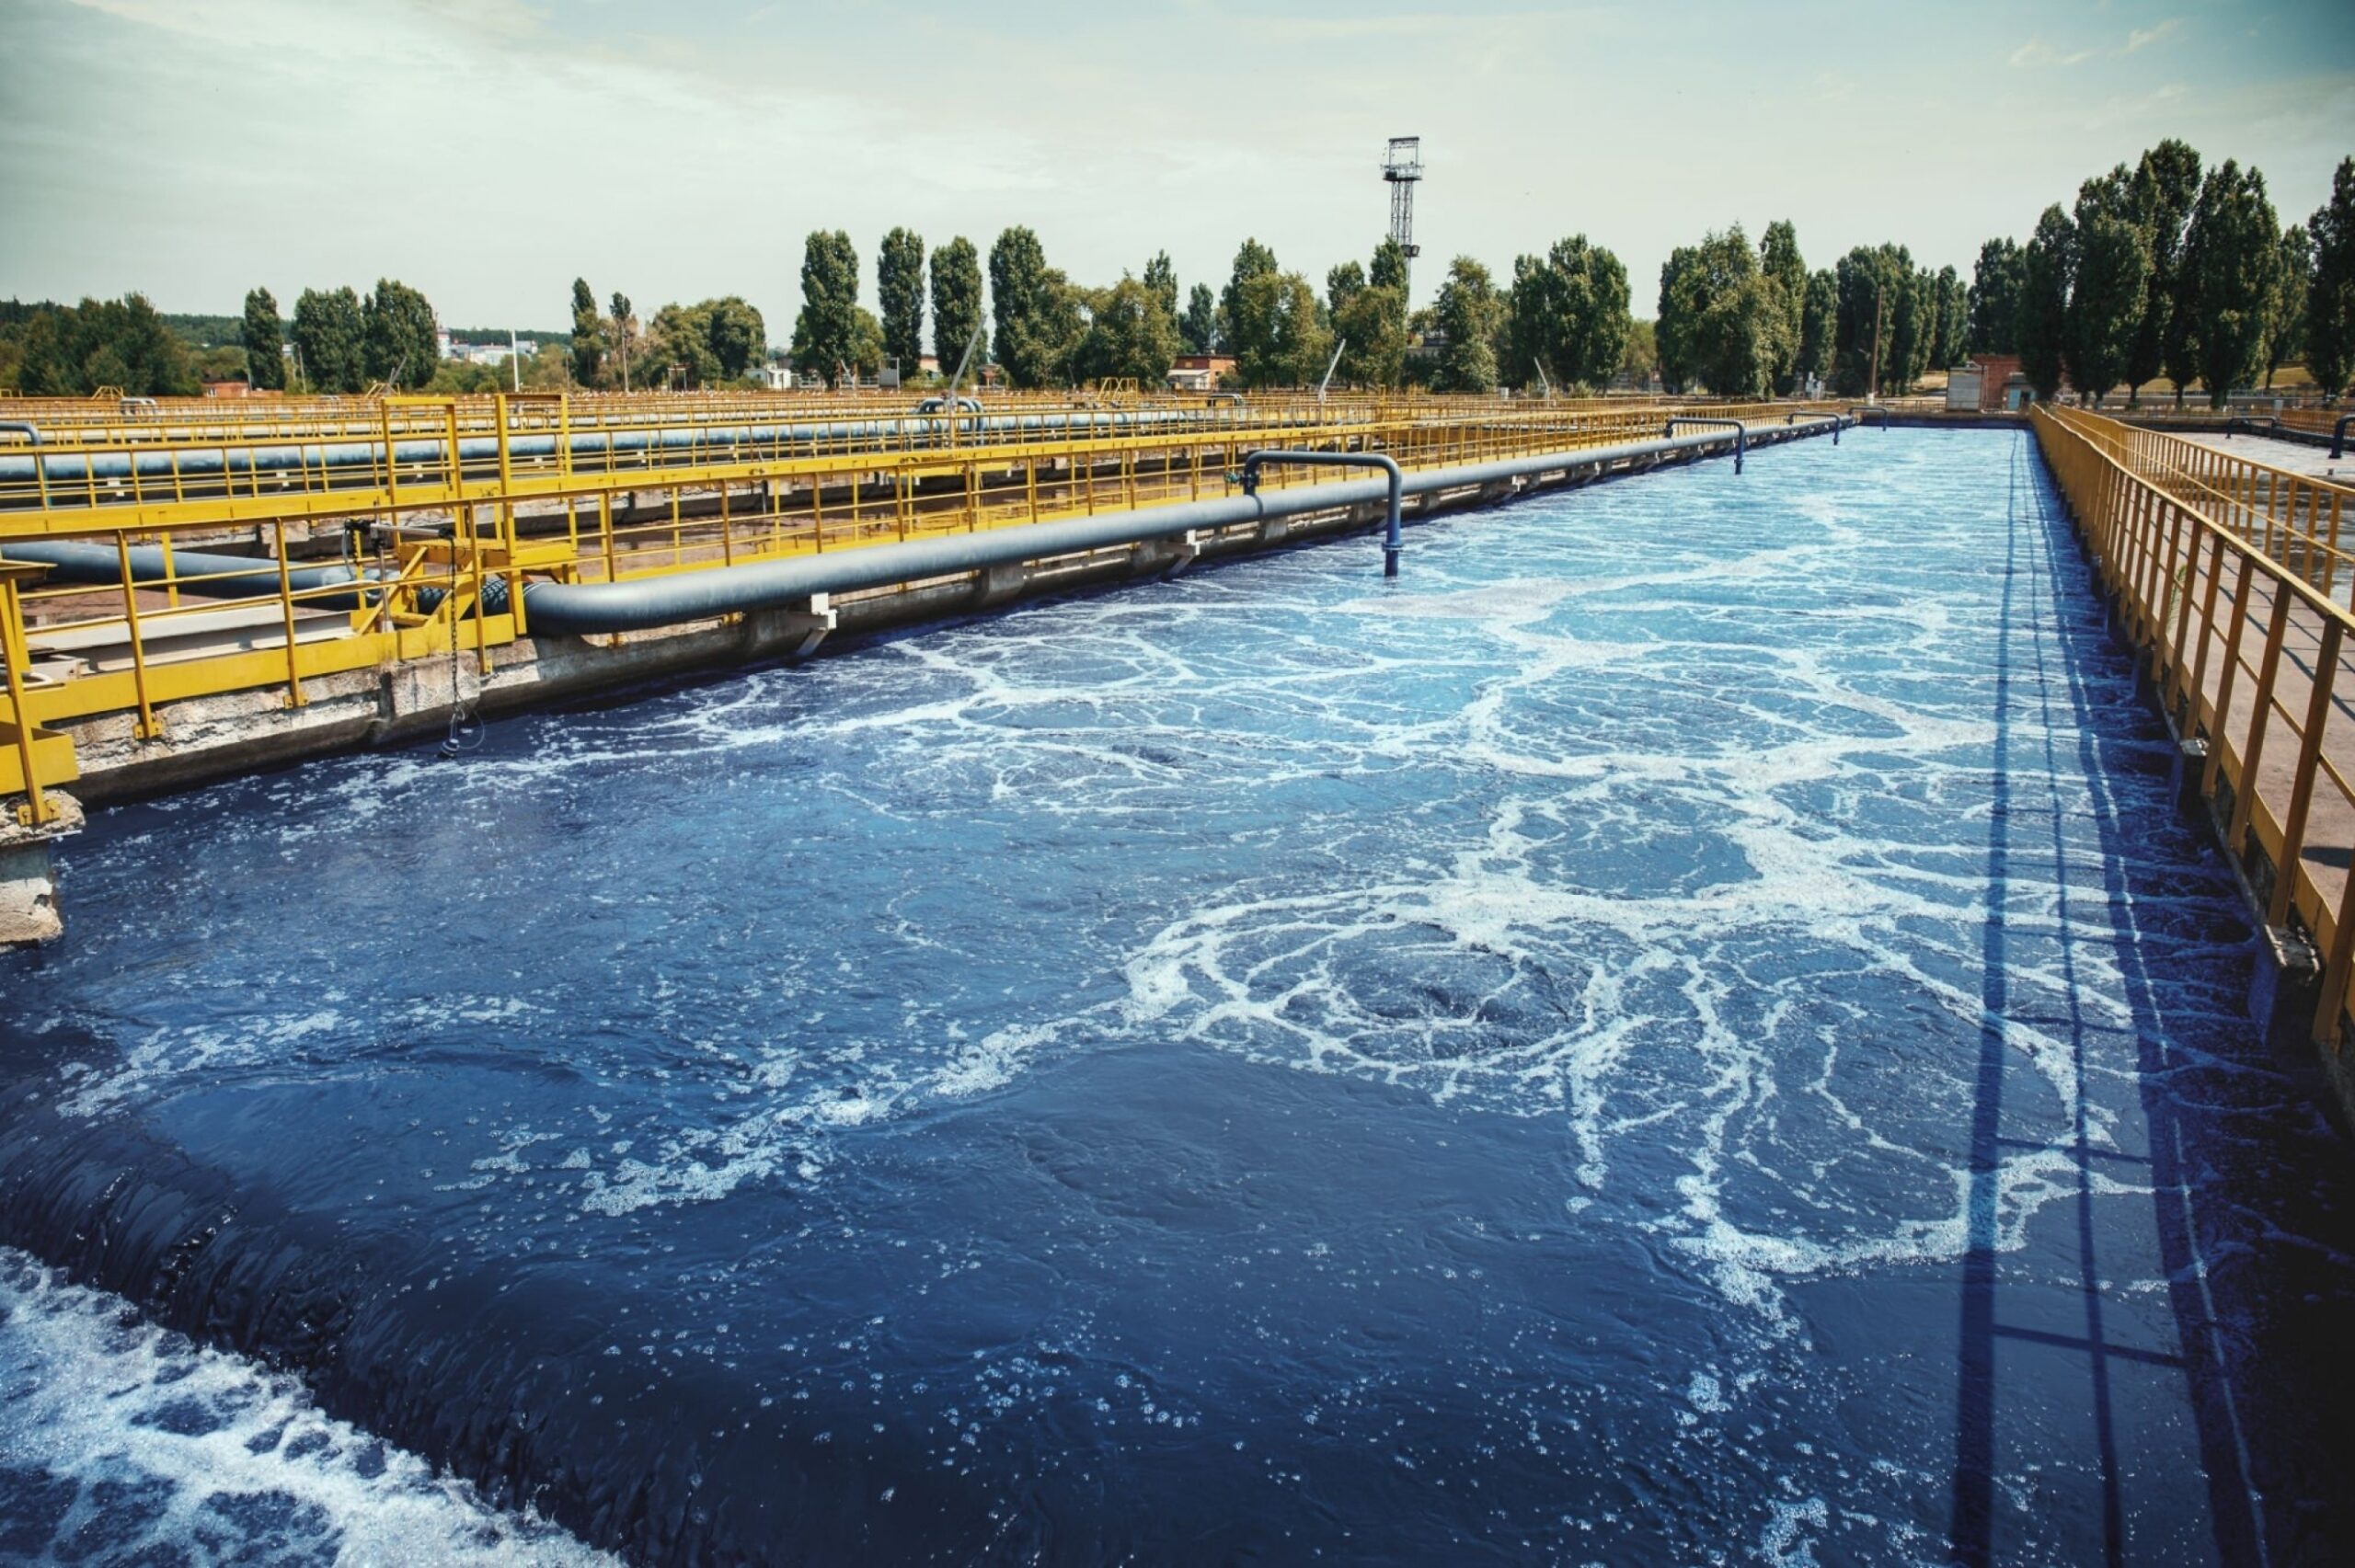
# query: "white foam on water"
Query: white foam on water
{"points": [[120, 1439], [1642, 1007]]}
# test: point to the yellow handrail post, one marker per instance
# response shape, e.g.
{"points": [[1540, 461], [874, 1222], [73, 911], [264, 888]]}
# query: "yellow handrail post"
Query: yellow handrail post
{"points": [[2302, 792], [2261, 720], [146, 729], [2219, 733], [18, 654], [294, 698]]}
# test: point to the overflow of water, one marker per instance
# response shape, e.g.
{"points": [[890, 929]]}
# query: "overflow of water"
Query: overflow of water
{"points": [[1684, 1028]]}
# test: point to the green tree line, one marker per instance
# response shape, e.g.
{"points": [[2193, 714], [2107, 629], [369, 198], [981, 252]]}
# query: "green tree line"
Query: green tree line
{"points": [[2169, 270]]}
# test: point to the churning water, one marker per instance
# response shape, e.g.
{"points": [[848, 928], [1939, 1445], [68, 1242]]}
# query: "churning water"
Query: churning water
{"points": [[1681, 1030]]}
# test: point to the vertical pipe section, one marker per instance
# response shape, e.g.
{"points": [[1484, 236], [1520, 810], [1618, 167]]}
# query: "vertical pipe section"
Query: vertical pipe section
{"points": [[1741, 433], [1394, 534]]}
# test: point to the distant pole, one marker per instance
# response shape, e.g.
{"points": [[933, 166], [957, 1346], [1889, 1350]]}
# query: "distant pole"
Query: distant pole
{"points": [[514, 359]]}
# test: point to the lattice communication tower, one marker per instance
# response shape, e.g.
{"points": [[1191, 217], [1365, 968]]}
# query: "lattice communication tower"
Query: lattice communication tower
{"points": [[1402, 167]]}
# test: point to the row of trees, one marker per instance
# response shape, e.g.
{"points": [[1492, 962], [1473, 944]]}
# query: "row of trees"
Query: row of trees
{"points": [[54, 350], [344, 341], [1563, 321], [2164, 270], [709, 343], [2171, 271], [1746, 321]]}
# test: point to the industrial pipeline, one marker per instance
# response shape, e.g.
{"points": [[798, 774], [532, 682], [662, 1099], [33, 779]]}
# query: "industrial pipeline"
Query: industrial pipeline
{"points": [[647, 603]]}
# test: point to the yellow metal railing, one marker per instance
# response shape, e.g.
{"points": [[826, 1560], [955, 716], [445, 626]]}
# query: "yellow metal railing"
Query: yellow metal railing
{"points": [[2245, 653], [432, 535], [2295, 518]]}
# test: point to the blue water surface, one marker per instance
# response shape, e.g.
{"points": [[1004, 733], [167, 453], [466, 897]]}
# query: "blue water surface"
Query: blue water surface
{"points": [[1684, 1029]]}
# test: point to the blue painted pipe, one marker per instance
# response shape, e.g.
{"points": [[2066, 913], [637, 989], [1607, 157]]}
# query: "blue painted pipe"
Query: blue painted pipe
{"points": [[220, 576], [1839, 421], [1393, 539], [1741, 432]]}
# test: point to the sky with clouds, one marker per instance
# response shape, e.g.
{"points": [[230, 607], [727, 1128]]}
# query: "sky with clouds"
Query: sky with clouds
{"points": [[488, 151]]}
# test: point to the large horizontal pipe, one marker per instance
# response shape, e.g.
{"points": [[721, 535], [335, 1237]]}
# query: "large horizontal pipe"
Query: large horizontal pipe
{"points": [[650, 602], [217, 576], [647, 602], [592, 451]]}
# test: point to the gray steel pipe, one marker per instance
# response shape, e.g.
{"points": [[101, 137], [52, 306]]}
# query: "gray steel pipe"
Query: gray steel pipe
{"points": [[647, 602]]}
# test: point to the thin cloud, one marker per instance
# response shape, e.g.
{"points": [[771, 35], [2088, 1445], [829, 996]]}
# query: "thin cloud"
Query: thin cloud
{"points": [[2037, 52], [2141, 37]]}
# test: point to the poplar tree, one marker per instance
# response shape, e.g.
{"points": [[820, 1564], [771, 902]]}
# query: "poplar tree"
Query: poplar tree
{"points": [[2047, 264], [2108, 286], [1023, 298], [2166, 184], [1252, 259], [2330, 297], [2233, 252], [263, 337], [588, 334], [1913, 323], [1042, 319], [1951, 342], [1199, 325], [1886, 315], [1470, 312], [826, 334], [1995, 298], [1162, 279], [399, 343], [1818, 323], [1343, 283], [957, 304], [899, 288], [328, 330], [621, 333], [2285, 337], [1779, 260]]}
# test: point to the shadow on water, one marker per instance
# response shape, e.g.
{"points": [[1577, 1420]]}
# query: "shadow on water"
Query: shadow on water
{"points": [[2246, 1177]]}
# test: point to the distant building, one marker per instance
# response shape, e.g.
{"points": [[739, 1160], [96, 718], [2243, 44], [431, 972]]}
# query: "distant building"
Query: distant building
{"points": [[1990, 383], [229, 386], [483, 353], [1199, 373]]}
